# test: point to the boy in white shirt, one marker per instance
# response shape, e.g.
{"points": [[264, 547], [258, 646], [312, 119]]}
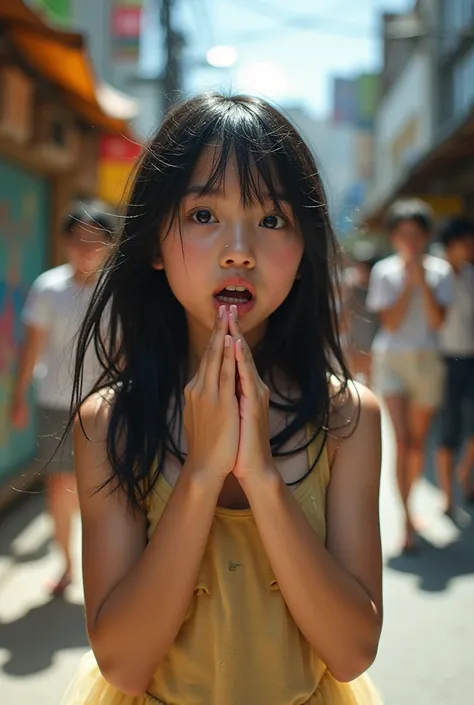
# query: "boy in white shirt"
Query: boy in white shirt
{"points": [[457, 348], [52, 315], [410, 291]]}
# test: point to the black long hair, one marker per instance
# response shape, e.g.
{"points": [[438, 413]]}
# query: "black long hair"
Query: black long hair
{"points": [[137, 326]]}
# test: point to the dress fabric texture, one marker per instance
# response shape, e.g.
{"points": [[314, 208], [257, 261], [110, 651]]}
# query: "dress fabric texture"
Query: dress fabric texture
{"points": [[238, 644]]}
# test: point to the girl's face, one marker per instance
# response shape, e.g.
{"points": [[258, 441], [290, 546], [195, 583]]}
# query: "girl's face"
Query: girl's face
{"points": [[222, 253]]}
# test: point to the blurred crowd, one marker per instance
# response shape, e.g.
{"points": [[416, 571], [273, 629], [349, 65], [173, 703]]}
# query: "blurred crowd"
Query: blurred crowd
{"points": [[409, 326]]}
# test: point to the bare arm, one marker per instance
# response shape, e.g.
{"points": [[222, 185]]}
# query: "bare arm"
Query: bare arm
{"points": [[136, 594], [29, 355], [334, 592]]}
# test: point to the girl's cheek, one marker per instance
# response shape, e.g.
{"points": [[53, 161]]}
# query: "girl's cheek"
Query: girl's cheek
{"points": [[287, 257], [177, 252]]}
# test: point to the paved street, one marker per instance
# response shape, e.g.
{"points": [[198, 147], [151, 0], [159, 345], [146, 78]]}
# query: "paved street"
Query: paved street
{"points": [[426, 654]]}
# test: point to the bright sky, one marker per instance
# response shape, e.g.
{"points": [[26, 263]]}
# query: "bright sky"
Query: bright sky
{"points": [[278, 56]]}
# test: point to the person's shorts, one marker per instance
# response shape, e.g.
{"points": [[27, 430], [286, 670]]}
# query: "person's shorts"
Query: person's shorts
{"points": [[54, 452], [457, 413], [416, 374]]}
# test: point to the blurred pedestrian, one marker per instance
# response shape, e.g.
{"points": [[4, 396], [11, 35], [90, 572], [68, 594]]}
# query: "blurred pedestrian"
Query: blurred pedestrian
{"points": [[410, 291], [228, 469], [52, 315], [361, 323], [457, 346]]}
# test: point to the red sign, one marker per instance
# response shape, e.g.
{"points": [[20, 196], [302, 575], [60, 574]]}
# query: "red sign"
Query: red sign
{"points": [[114, 148], [126, 22]]}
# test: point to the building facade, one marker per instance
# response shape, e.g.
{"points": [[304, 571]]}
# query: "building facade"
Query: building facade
{"points": [[113, 31], [51, 124], [424, 124], [334, 148], [355, 103]]}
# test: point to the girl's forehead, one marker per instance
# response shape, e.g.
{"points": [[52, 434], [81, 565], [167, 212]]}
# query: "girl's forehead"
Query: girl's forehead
{"points": [[230, 176]]}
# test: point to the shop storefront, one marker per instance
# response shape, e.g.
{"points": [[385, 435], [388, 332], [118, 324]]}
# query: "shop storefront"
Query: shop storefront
{"points": [[53, 115]]}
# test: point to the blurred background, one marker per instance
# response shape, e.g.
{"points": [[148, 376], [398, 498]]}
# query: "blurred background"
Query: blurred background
{"points": [[383, 91]]}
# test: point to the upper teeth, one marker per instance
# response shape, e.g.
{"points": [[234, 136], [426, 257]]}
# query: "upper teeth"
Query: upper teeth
{"points": [[235, 288]]}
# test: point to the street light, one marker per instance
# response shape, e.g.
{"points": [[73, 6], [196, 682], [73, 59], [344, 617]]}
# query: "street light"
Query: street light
{"points": [[221, 56]]}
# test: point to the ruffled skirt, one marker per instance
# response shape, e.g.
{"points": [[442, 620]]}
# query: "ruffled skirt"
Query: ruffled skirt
{"points": [[89, 688]]}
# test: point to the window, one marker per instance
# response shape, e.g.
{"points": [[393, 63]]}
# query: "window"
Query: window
{"points": [[457, 16], [463, 84]]}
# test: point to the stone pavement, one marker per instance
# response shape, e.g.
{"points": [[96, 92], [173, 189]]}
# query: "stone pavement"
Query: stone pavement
{"points": [[425, 656]]}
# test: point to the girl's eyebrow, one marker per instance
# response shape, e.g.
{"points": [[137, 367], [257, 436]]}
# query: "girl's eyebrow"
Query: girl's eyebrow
{"points": [[203, 190]]}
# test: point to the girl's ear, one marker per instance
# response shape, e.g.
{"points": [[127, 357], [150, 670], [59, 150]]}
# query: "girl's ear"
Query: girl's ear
{"points": [[157, 261]]}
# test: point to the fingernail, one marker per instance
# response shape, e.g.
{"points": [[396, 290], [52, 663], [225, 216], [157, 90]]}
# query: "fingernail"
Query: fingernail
{"points": [[233, 310], [221, 311], [227, 341]]}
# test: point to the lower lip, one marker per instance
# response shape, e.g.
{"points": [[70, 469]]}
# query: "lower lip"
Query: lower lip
{"points": [[243, 307]]}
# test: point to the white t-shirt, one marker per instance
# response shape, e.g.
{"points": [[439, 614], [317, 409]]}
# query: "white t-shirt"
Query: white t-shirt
{"points": [[57, 303], [457, 333], [387, 281]]}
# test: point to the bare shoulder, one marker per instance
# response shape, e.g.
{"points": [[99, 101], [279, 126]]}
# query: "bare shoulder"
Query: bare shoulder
{"points": [[355, 417], [91, 424], [92, 420]]}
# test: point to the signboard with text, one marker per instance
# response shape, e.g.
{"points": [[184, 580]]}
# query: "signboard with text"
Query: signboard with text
{"points": [[126, 20], [118, 156]]}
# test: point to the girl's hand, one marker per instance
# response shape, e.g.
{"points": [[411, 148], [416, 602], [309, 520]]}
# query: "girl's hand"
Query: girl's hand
{"points": [[211, 411], [254, 456]]}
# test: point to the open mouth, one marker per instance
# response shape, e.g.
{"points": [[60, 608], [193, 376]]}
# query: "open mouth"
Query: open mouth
{"points": [[234, 295]]}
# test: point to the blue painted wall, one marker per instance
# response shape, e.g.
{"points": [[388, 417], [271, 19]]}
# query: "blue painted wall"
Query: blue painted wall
{"points": [[24, 230]]}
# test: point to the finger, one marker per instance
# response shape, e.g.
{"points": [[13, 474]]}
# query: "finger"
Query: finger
{"points": [[238, 335], [228, 369], [201, 373], [216, 352], [234, 326], [247, 371]]}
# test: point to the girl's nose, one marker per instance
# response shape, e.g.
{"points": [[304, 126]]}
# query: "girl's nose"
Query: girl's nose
{"points": [[237, 252]]}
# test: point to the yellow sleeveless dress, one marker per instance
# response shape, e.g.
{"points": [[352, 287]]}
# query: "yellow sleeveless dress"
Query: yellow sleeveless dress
{"points": [[238, 644]]}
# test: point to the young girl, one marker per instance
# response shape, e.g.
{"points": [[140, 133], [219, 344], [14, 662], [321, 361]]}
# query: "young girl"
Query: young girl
{"points": [[228, 471]]}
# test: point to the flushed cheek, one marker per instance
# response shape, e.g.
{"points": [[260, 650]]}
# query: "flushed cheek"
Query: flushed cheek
{"points": [[177, 251], [282, 265], [186, 268]]}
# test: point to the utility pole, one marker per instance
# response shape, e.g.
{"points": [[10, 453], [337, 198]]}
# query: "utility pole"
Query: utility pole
{"points": [[171, 80]]}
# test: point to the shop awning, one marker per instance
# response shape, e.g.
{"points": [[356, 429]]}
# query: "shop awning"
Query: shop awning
{"points": [[60, 57], [446, 168], [14, 13]]}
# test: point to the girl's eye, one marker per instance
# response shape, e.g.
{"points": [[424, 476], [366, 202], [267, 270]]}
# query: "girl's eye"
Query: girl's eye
{"points": [[274, 222], [203, 216]]}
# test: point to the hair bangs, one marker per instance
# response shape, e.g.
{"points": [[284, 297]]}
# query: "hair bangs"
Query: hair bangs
{"points": [[240, 138]]}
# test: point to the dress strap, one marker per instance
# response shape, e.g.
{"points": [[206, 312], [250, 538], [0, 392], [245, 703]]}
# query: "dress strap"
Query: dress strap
{"points": [[318, 453]]}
